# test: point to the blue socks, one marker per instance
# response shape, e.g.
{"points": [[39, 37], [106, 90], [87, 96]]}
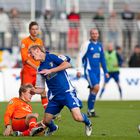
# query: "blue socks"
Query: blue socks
{"points": [[51, 126], [91, 101], [85, 119]]}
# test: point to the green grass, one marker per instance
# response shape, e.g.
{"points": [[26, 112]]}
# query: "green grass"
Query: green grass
{"points": [[117, 120]]}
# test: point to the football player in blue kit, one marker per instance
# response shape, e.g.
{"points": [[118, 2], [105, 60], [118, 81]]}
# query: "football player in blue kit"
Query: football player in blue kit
{"points": [[60, 90], [91, 55]]}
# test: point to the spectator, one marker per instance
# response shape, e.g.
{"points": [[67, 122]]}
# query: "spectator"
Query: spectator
{"points": [[127, 17], [73, 32], [62, 31], [113, 28], [15, 27], [134, 60], [138, 28], [6, 60], [4, 25], [99, 22], [46, 23], [119, 51]]}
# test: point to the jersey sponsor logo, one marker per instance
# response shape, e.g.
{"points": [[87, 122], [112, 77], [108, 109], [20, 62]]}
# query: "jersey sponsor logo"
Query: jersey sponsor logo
{"points": [[92, 49], [96, 55], [51, 64], [22, 46], [63, 57], [27, 108]]}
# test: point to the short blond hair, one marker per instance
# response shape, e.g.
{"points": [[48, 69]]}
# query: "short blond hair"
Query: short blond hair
{"points": [[34, 47]]}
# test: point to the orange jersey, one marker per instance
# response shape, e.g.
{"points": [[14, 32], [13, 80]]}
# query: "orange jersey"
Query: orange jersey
{"points": [[16, 109], [25, 44]]}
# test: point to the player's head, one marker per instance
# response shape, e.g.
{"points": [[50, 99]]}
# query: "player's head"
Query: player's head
{"points": [[37, 52], [34, 29], [94, 34], [110, 46], [25, 92]]}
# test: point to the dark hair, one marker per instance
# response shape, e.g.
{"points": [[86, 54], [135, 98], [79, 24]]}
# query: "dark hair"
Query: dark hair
{"points": [[32, 24], [23, 88]]}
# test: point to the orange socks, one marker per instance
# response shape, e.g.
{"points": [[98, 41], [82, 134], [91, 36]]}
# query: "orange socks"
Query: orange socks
{"points": [[32, 124], [44, 101]]}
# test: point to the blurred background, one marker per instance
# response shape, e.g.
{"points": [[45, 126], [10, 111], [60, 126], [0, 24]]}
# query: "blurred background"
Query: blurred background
{"points": [[65, 24]]}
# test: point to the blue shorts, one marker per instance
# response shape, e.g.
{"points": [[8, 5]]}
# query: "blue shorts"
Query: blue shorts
{"points": [[68, 99], [114, 75], [93, 78]]}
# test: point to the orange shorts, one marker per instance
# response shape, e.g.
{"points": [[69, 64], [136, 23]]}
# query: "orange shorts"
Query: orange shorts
{"points": [[27, 77], [19, 125]]}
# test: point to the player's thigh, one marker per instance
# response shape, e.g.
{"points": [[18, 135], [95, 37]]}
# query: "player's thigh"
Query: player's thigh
{"points": [[54, 107], [116, 77], [76, 114], [26, 77], [93, 78], [71, 100], [19, 125]]}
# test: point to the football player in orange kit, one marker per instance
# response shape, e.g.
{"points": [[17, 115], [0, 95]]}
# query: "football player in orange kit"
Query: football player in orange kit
{"points": [[18, 116], [29, 68]]}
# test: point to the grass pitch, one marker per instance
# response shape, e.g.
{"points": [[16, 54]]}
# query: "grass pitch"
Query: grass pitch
{"points": [[117, 120]]}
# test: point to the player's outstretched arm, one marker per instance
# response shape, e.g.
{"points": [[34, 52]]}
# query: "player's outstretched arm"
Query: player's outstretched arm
{"points": [[61, 67], [37, 90]]}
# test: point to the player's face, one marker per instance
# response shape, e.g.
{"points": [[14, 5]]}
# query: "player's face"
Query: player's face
{"points": [[35, 54], [27, 95], [94, 34], [34, 30]]}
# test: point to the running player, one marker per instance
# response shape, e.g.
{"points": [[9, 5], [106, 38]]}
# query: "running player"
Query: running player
{"points": [[61, 92]]}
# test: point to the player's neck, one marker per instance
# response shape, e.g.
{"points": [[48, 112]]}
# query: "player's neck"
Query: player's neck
{"points": [[33, 38], [94, 41], [22, 98], [43, 57]]}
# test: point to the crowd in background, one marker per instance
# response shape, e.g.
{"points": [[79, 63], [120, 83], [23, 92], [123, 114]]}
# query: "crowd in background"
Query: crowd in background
{"points": [[65, 33]]}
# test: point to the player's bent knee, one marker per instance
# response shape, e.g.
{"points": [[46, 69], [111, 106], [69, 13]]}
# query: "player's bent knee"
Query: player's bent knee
{"points": [[30, 116]]}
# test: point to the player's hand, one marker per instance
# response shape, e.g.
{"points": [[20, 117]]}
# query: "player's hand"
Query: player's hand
{"points": [[78, 74], [107, 75], [45, 72], [33, 91], [8, 131]]}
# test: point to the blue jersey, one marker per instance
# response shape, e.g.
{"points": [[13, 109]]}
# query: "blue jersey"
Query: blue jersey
{"points": [[92, 55], [57, 83]]}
